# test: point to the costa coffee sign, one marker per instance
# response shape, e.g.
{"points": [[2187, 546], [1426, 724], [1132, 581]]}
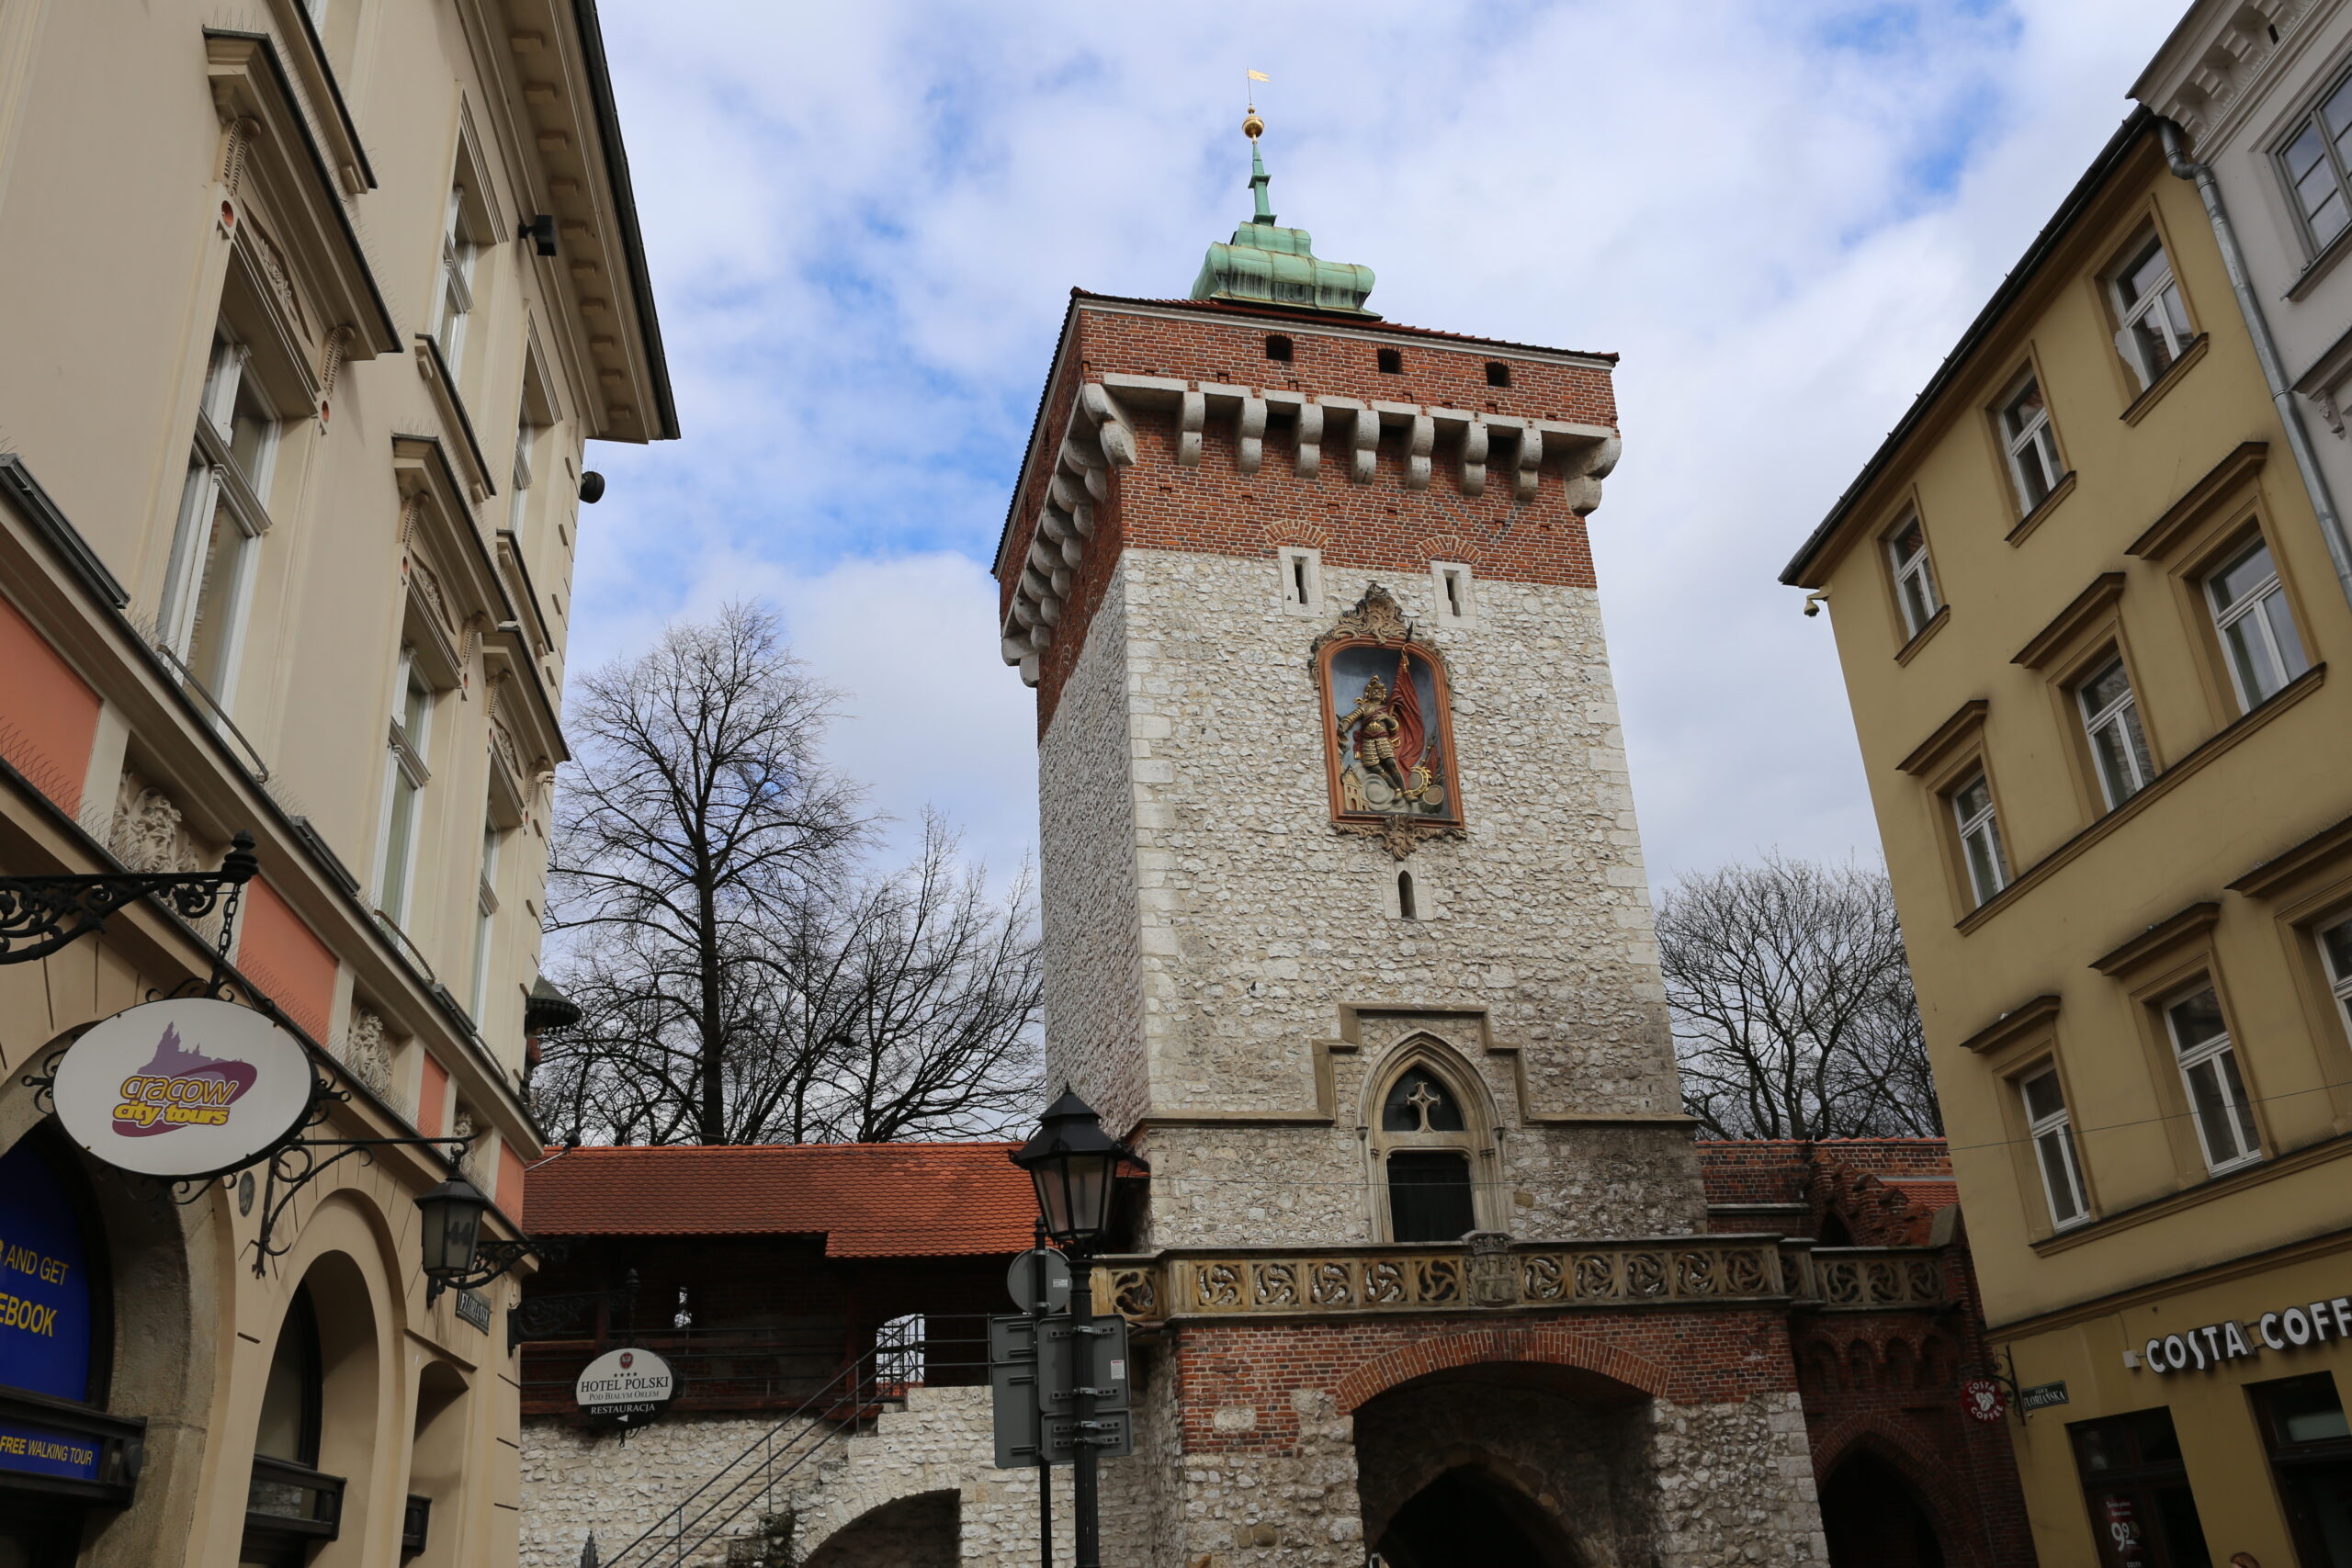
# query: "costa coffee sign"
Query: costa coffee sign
{"points": [[627, 1386], [185, 1088], [2293, 1327]]}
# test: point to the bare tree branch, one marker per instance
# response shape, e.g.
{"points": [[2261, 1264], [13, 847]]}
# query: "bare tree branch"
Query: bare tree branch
{"points": [[1793, 1011]]}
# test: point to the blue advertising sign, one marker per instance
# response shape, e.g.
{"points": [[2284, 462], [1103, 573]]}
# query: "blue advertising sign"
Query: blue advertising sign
{"points": [[40, 1451], [45, 1305]]}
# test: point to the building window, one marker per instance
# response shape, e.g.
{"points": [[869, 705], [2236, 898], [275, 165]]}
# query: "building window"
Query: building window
{"points": [[2316, 157], [1980, 837], [1497, 373], [1408, 907], [1300, 579], [2143, 1513], [518, 502], [1278, 348], [460, 242], [406, 775], [223, 517], [2257, 628], [2032, 445], [2054, 1146], [1451, 581], [1915, 580], [1429, 1190], [1391, 362], [2209, 1067], [485, 920], [2311, 1462], [2118, 745], [2155, 326], [2335, 946]]}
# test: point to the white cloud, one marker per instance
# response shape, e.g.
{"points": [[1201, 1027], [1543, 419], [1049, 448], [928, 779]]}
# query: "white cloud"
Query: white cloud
{"points": [[864, 221]]}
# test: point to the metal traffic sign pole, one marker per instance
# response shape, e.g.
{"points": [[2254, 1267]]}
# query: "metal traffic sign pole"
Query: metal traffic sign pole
{"points": [[1033, 1281]]}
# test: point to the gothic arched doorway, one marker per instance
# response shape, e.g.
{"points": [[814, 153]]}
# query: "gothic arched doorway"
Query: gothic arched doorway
{"points": [[1874, 1518], [1469, 1516]]}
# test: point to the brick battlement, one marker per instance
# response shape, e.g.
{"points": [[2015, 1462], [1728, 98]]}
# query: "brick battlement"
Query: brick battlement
{"points": [[1422, 495]]}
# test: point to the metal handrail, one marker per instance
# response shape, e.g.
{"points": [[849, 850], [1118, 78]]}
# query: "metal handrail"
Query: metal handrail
{"points": [[852, 1389]]}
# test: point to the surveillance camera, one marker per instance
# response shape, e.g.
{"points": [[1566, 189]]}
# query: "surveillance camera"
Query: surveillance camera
{"points": [[1812, 608], [1813, 601]]}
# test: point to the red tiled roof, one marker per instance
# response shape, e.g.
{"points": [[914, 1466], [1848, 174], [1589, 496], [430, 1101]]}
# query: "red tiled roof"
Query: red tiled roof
{"points": [[1927, 1195], [866, 1199]]}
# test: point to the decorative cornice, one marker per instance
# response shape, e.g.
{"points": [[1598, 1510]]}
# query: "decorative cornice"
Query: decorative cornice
{"points": [[2220, 484], [2031, 1018], [2187, 926], [2329, 844], [2088, 607], [1950, 736]]}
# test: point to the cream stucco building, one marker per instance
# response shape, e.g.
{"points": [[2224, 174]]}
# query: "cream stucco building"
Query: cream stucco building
{"points": [[2086, 609], [312, 306]]}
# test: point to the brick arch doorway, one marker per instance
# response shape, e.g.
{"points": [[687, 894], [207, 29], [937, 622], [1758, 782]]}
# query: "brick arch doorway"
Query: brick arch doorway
{"points": [[1874, 1517], [920, 1531], [1470, 1514]]}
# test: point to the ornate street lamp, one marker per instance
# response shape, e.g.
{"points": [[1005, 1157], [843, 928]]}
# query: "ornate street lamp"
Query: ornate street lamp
{"points": [[1072, 1161], [455, 1257]]}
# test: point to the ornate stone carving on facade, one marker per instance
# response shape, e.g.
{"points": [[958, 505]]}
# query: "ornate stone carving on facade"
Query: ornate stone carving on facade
{"points": [[232, 159], [1098, 439], [1387, 727], [147, 834], [472, 1163], [367, 1050], [1491, 1270], [427, 583]]}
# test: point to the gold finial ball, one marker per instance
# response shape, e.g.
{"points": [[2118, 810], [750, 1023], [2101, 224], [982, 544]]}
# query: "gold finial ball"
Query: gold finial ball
{"points": [[1252, 127]]}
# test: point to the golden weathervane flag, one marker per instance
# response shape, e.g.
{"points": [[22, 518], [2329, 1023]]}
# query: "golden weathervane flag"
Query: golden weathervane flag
{"points": [[1258, 75]]}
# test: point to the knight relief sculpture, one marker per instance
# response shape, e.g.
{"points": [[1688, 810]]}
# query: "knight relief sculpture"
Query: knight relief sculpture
{"points": [[1387, 727]]}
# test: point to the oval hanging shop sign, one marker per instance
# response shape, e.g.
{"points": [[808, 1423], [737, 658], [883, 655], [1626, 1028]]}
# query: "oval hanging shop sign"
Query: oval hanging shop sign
{"points": [[184, 1088], [628, 1386]]}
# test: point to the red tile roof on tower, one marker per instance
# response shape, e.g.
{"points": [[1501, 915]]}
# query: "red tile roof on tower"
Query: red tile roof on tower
{"points": [[866, 1199]]}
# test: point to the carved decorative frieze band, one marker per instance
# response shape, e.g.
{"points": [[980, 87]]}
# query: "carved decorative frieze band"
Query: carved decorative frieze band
{"points": [[1488, 1273]]}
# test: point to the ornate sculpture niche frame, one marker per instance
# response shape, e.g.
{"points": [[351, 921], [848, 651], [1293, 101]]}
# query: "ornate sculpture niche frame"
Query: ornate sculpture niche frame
{"points": [[1376, 789]]}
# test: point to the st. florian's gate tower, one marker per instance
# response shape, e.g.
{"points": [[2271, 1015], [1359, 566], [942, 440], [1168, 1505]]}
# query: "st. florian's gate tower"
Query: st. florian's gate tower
{"points": [[1346, 931]]}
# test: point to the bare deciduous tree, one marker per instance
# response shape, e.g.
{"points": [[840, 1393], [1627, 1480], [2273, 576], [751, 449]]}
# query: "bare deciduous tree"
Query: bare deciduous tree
{"points": [[742, 977], [1792, 1006]]}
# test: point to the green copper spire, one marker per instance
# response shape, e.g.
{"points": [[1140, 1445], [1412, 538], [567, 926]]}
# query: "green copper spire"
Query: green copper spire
{"points": [[1273, 265]]}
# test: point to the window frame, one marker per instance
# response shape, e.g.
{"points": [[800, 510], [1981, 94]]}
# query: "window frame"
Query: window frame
{"points": [[2224, 619], [2220, 1051], [407, 761], [2123, 712], [1473, 1141], [1900, 571], [493, 839], [2039, 435], [2311, 118], [1965, 824], [2178, 337], [1454, 592], [218, 483], [2060, 1122], [1298, 566]]}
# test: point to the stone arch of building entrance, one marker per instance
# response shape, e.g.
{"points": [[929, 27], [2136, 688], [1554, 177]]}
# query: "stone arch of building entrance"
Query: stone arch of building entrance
{"points": [[1542, 1346], [1875, 1514], [920, 1530], [1520, 1460]]}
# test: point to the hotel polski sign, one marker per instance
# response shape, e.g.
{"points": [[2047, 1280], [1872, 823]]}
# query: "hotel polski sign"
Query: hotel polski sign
{"points": [[627, 1386], [2297, 1328], [184, 1090]]}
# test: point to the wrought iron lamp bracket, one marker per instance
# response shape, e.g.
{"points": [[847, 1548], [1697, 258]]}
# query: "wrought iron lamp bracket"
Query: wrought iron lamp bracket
{"points": [[294, 1165], [40, 914]]}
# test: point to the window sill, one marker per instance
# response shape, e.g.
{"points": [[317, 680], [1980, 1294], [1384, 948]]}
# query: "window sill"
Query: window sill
{"points": [[2320, 265], [2032, 520], [2163, 383], [2214, 745], [1910, 650], [2234, 1179]]}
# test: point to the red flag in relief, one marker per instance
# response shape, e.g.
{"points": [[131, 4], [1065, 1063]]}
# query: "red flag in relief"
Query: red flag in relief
{"points": [[1412, 730]]}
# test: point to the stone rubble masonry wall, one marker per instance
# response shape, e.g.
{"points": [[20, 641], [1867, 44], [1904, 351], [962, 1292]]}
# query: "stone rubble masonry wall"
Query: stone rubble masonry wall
{"points": [[1205, 924], [575, 1481]]}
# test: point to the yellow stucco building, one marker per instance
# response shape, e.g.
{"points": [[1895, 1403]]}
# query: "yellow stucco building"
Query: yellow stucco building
{"points": [[310, 308], [2084, 609]]}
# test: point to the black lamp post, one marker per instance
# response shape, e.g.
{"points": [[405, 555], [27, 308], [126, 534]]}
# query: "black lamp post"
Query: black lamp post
{"points": [[1072, 1161]]}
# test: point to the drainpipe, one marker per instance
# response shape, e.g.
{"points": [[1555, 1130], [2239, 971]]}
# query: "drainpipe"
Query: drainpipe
{"points": [[2266, 350]]}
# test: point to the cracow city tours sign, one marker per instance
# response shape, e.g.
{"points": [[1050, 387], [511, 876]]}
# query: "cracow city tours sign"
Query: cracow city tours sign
{"points": [[2289, 1328], [628, 1386], [186, 1089]]}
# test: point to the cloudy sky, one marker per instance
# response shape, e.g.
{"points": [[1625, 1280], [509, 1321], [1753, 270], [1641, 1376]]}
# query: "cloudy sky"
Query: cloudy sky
{"points": [[864, 221]]}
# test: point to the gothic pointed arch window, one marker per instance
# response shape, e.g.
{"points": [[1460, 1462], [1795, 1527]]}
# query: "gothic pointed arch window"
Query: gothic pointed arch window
{"points": [[1430, 1148]]}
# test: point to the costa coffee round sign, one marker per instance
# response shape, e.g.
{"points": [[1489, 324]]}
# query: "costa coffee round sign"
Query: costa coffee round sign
{"points": [[1984, 1399], [626, 1385], [184, 1088]]}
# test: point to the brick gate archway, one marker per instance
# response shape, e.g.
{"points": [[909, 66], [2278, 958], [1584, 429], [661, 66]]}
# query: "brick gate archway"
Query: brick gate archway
{"points": [[1544, 1347]]}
